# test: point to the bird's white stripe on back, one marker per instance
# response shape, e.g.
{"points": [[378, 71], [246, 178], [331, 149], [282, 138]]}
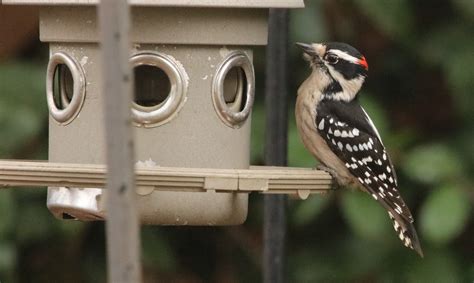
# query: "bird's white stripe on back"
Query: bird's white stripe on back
{"points": [[372, 125]]}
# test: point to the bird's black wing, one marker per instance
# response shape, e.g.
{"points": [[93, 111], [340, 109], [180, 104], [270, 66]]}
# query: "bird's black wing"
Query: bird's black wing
{"points": [[358, 144]]}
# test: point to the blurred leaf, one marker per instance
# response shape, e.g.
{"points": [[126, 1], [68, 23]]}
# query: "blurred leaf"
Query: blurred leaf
{"points": [[23, 107], [322, 261], [394, 18], [376, 113], [257, 136], [6, 211], [8, 256], [433, 163], [70, 228], [156, 250], [466, 7], [365, 216], [34, 223], [301, 19], [309, 209], [439, 266], [444, 214], [457, 59]]}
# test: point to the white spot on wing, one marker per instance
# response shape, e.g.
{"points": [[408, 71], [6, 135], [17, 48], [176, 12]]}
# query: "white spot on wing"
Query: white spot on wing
{"points": [[339, 144], [321, 124], [398, 210], [395, 225], [401, 236]]}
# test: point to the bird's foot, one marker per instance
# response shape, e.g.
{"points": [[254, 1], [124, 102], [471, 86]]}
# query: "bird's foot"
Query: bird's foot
{"points": [[336, 184]]}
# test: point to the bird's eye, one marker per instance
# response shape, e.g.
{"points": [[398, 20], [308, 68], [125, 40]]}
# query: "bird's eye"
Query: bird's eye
{"points": [[331, 58]]}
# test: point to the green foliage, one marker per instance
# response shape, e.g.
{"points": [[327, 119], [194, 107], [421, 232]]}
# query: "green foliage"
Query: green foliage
{"points": [[376, 112], [341, 237], [456, 60], [22, 105], [444, 215], [310, 16], [439, 266], [8, 257], [7, 210], [34, 223], [365, 216], [466, 8], [257, 138], [433, 163], [395, 18], [156, 250], [309, 209]]}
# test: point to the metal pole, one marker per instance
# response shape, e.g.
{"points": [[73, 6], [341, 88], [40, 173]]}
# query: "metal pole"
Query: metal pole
{"points": [[276, 143], [122, 226]]}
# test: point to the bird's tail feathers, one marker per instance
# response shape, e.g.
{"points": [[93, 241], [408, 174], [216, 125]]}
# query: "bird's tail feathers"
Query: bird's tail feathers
{"points": [[407, 233]]}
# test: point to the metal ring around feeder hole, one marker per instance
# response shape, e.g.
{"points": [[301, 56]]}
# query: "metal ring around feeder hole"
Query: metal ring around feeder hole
{"points": [[65, 100], [71, 108], [231, 115], [152, 116]]}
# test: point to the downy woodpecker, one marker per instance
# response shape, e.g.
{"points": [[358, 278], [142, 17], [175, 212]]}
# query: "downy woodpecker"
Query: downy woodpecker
{"points": [[338, 132]]}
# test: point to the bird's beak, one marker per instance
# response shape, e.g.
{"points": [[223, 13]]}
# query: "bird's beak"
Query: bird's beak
{"points": [[312, 52], [307, 48]]}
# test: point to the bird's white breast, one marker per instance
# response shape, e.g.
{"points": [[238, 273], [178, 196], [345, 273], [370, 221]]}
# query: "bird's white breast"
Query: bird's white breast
{"points": [[308, 97]]}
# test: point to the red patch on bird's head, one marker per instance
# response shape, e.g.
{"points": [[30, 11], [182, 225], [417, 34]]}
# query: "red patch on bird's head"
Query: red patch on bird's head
{"points": [[363, 63]]}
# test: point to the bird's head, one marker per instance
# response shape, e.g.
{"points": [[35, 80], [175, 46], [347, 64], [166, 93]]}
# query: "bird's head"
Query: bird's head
{"points": [[339, 68]]}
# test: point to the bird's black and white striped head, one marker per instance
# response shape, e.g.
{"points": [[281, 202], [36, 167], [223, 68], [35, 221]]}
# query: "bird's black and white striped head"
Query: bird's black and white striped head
{"points": [[339, 68]]}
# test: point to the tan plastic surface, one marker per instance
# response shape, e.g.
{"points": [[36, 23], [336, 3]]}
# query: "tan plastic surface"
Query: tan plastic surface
{"points": [[176, 3], [263, 179], [195, 137], [161, 25]]}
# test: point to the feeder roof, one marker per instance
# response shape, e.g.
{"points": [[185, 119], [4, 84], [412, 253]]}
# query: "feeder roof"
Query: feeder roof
{"points": [[174, 3]]}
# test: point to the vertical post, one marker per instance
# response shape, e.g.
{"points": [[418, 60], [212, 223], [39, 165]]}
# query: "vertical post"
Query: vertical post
{"points": [[276, 143], [123, 241]]}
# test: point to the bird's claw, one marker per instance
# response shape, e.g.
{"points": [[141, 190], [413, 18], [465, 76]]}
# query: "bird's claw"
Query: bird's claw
{"points": [[333, 174]]}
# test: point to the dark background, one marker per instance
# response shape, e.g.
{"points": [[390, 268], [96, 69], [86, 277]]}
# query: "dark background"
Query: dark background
{"points": [[419, 94]]}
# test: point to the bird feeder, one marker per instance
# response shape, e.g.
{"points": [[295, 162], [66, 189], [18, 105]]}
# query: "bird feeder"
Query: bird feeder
{"points": [[194, 93]]}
